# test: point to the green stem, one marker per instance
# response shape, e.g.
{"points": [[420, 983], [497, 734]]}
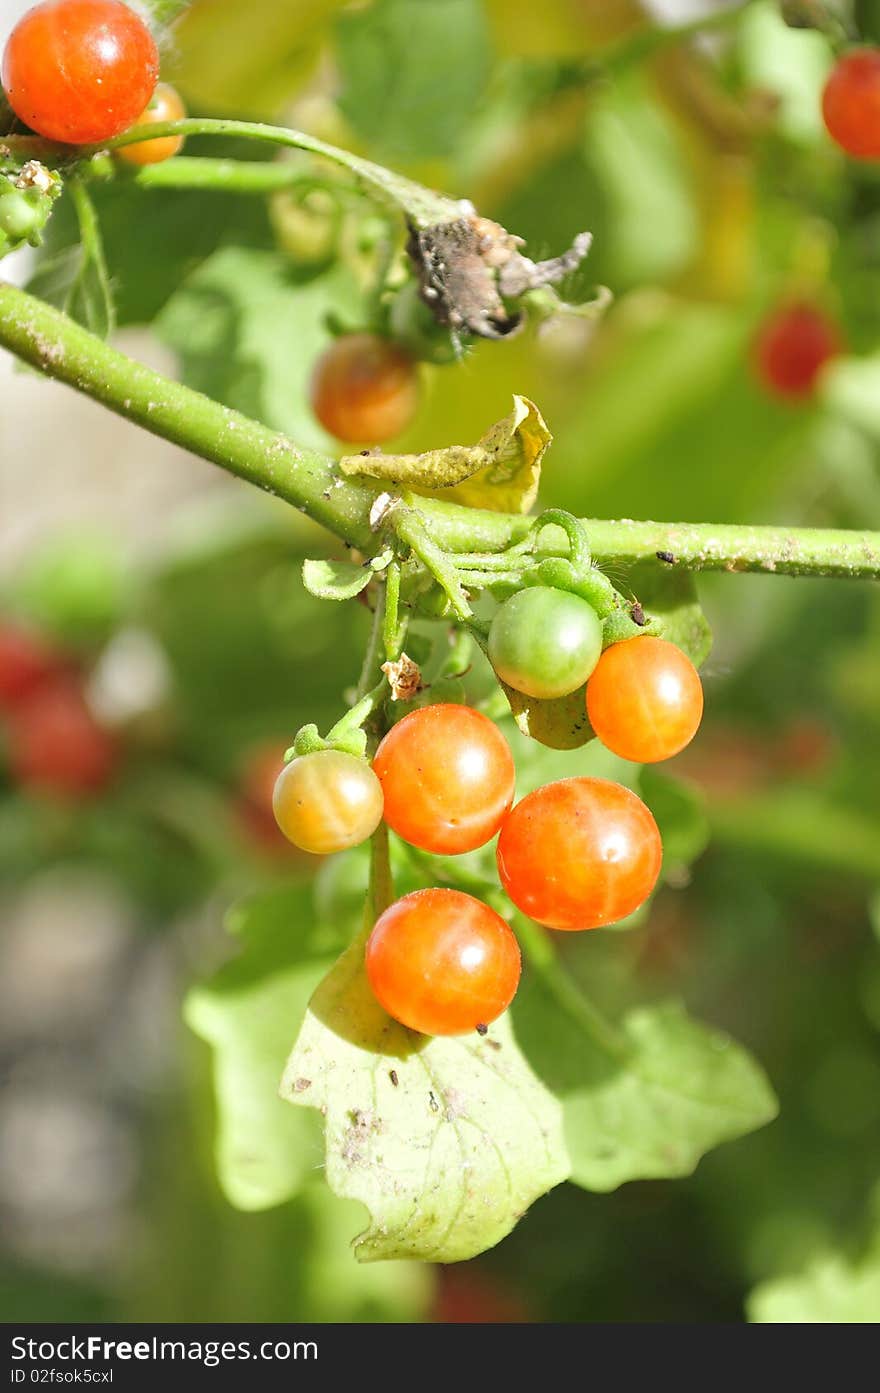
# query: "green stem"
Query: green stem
{"points": [[51, 342], [381, 888], [374, 656], [220, 176], [502, 582], [578, 542], [796, 551], [358, 714], [409, 527], [392, 633], [423, 205], [380, 892], [92, 240], [86, 217], [494, 560], [544, 960]]}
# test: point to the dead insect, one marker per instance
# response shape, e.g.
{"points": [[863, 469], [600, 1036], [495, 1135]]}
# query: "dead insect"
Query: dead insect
{"points": [[666, 556], [392, 1074], [637, 614], [482, 1029]]}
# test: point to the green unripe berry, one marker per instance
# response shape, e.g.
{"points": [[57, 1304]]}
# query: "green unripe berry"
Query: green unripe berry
{"points": [[18, 217], [545, 642], [23, 213]]}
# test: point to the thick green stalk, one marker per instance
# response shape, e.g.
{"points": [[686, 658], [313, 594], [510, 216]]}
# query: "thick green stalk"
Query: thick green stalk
{"points": [[52, 343], [703, 546]]}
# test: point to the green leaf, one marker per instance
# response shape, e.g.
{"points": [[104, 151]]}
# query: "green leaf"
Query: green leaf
{"points": [[670, 594], [164, 12], [335, 580], [560, 724], [337, 1289], [831, 1291], [868, 19], [685, 363], [538, 764], [852, 390], [637, 154], [248, 60], [155, 237], [248, 1013], [799, 825], [71, 281], [874, 913], [449, 1156], [647, 1101], [248, 333], [76, 279], [680, 811], [793, 64], [425, 107]]}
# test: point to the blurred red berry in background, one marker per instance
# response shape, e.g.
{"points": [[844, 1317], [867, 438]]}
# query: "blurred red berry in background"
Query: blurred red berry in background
{"points": [[471, 1297], [792, 347], [851, 103], [25, 663], [56, 745]]}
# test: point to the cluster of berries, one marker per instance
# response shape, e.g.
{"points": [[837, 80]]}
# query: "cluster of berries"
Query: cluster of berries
{"points": [[575, 854]]}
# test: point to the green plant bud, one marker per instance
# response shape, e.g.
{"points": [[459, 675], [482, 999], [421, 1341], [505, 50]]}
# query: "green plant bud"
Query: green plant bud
{"points": [[23, 213]]}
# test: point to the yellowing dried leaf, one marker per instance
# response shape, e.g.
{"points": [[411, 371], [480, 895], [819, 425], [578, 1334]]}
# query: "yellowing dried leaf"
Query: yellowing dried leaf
{"points": [[501, 472]]}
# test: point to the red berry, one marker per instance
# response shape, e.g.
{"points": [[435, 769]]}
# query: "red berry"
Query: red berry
{"points": [[80, 71], [792, 347], [55, 743], [24, 665], [448, 778], [467, 1296], [579, 853], [442, 963], [645, 699], [365, 389], [851, 103]]}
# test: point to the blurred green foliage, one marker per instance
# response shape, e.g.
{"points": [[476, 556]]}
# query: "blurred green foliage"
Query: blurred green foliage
{"points": [[713, 194]]}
